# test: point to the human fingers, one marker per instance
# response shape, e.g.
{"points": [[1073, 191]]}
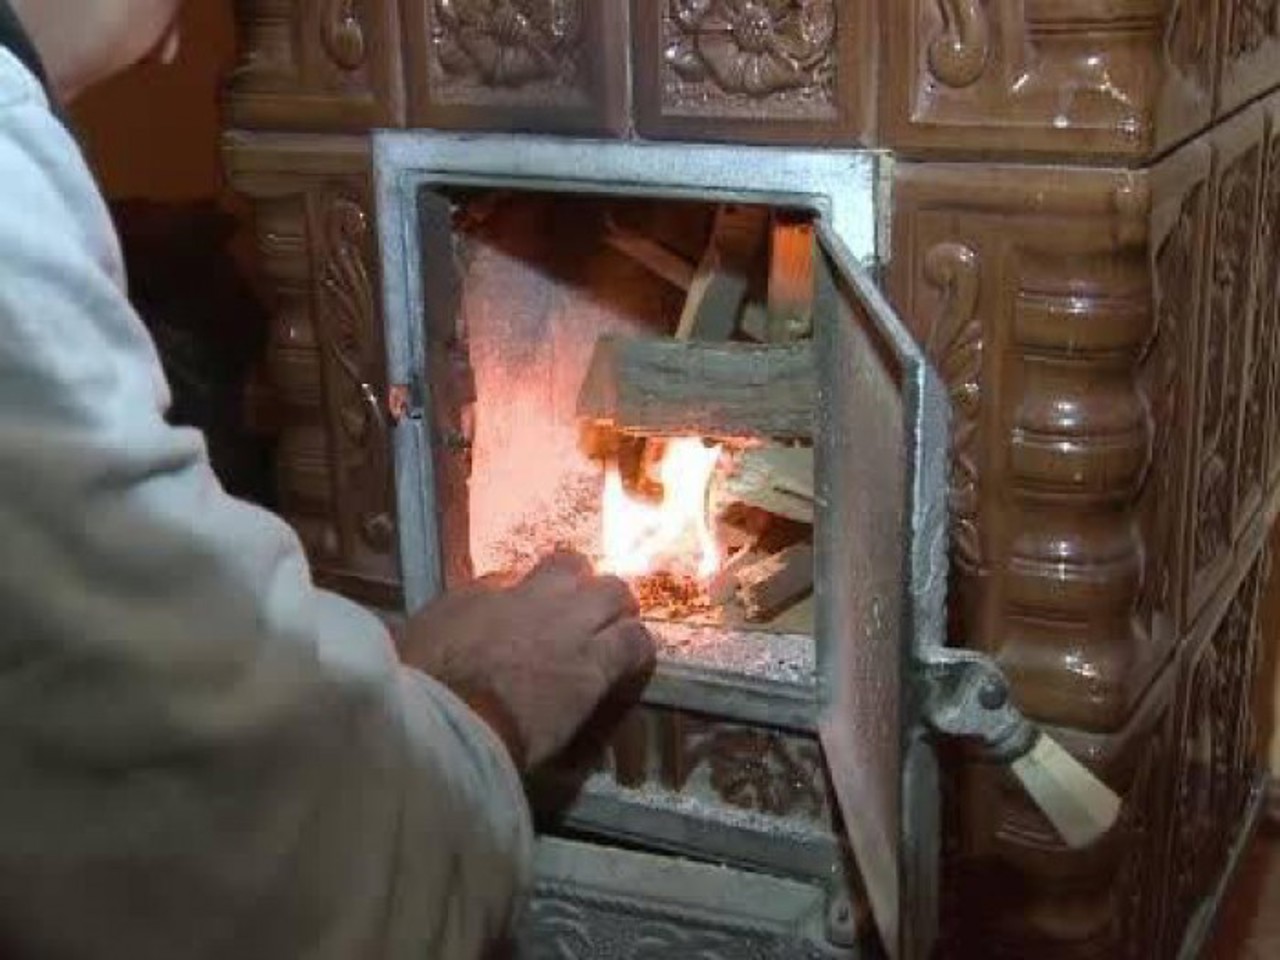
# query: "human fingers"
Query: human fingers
{"points": [[623, 649], [499, 580], [564, 566], [598, 602]]}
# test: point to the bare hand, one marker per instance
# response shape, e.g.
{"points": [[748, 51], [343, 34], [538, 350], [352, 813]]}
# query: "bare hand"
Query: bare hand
{"points": [[534, 658]]}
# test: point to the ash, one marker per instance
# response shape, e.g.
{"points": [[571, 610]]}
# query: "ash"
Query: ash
{"points": [[571, 521], [658, 797], [785, 657]]}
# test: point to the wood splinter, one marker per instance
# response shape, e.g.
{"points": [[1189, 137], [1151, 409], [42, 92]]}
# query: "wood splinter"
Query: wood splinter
{"points": [[772, 478], [719, 286], [725, 584], [650, 254], [776, 582]]}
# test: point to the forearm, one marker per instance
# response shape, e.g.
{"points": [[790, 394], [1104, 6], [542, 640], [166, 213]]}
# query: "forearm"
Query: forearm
{"points": [[204, 756], [413, 650]]}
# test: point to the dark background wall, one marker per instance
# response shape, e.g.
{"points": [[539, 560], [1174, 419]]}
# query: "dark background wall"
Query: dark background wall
{"points": [[152, 133], [152, 137]]}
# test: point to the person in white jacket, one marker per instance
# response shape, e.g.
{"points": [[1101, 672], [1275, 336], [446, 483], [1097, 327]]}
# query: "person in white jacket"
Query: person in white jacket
{"points": [[201, 754]]}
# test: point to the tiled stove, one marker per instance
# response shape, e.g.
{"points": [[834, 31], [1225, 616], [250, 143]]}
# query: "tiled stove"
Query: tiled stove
{"points": [[1072, 206]]}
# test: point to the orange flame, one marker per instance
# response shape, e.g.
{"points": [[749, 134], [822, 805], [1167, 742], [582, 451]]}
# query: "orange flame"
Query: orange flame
{"points": [[675, 534]]}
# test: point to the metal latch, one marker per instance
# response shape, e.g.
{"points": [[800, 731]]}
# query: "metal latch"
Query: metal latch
{"points": [[966, 696]]}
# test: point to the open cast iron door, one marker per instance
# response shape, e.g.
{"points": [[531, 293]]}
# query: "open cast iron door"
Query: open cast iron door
{"points": [[881, 464]]}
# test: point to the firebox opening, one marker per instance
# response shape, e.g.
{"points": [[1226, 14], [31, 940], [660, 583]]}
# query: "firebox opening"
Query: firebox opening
{"points": [[639, 389]]}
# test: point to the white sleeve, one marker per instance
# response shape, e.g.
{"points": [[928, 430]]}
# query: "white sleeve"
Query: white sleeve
{"points": [[202, 754]]}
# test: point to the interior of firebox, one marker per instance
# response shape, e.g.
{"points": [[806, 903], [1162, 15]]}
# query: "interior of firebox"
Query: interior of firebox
{"points": [[640, 388]]}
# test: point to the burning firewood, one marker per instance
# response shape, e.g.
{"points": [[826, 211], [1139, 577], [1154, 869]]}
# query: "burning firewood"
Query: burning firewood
{"points": [[642, 398], [725, 584], [776, 479], [768, 587]]}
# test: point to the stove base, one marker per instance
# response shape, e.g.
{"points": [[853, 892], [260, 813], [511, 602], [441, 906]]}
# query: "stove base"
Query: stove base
{"points": [[598, 902]]}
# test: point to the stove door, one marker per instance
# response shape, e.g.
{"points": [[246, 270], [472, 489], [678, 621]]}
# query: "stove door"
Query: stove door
{"points": [[881, 539]]}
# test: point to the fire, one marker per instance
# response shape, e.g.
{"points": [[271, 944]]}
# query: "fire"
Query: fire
{"points": [[675, 534]]}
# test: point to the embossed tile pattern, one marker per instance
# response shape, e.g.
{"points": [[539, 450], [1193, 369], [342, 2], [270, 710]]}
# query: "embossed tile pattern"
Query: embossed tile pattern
{"points": [[794, 71], [555, 66]]}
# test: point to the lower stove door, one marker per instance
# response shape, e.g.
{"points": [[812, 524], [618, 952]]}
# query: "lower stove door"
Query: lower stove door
{"points": [[602, 903]]}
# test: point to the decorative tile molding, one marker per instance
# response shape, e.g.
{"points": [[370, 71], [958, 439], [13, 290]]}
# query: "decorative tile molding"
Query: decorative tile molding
{"points": [[736, 55], [564, 925], [1178, 227], [1268, 290], [696, 758], [352, 340], [959, 53], [1034, 291], [325, 357], [325, 65], [1218, 760], [594, 903], [1223, 342], [343, 34], [1249, 51], [748, 768], [1045, 78], [955, 343]]}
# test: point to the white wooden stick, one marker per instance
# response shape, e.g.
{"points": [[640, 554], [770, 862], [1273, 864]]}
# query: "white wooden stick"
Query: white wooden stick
{"points": [[1079, 805]]}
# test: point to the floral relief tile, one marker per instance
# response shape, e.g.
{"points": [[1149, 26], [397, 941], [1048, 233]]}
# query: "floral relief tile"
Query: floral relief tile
{"points": [[547, 65], [764, 70]]}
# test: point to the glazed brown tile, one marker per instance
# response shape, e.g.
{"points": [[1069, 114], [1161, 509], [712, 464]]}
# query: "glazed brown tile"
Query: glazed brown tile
{"points": [[317, 65], [1218, 765], [1248, 52], [1046, 78], [1017, 892], [527, 65], [1226, 322], [1268, 289], [316, 246], [1060, 307], [749, 71]]}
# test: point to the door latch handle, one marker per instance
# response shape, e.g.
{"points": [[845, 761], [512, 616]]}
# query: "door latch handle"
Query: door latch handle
{"points": [[967, 697]]}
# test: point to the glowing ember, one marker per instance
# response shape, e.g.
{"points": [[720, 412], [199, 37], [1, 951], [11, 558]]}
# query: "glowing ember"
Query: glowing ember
{"points": [[673, 535]]}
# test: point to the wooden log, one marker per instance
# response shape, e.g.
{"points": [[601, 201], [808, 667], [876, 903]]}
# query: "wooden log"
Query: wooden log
{"points": [[755, 321], [668, 387], [776, 582], [719, 286], [724, 585], [776, 479], [797, 618]]}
